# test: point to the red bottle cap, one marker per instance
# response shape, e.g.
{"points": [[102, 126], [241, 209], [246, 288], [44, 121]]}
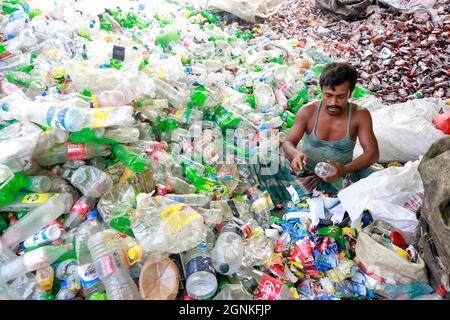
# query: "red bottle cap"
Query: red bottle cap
{"points": [[397, 239]]}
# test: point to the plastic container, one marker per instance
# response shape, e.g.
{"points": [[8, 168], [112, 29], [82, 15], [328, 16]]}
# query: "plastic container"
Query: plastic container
{"points": [[229, 250]]}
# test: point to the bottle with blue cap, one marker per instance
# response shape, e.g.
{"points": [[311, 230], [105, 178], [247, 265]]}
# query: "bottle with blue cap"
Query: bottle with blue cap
{"points": [[67, 291], [89, 278]]}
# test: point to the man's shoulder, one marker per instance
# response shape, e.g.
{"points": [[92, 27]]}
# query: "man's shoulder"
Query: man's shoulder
{"points": [[360, 111], [309, 108]]}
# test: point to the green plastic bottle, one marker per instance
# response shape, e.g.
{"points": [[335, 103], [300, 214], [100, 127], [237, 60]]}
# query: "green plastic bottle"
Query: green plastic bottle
{"points": [[165, 38], [225, 118], [299, 100], [199, 96], [166, 124], [129, 158], [288, 118], [317, 69], [360, 92], [200, 183], [88, 135]]}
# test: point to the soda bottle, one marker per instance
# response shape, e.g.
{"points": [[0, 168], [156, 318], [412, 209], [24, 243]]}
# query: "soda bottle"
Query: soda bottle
{"points": [[262, 286], [226, 118], [90, 280], [70, 151], [111, 266], [131, 159], [229, 249], [92, 182], [79, 211]]}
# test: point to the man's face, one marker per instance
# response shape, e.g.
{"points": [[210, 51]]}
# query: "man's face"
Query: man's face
{"points": [[335, 101]]}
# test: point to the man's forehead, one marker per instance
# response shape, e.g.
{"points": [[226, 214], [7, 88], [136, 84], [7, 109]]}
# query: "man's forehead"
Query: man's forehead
{"points": [[340, 89]]}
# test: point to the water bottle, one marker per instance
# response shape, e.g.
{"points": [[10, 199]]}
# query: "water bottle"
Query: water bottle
{"points": [[33, 221], [90, 280], [324, 169], [179, 186], [45, 236], [192, 200], [108, 117], [66, 269], [79, 211], [111, 266], [229, 250], [211, 216], [92, 182], [110, 98], [31, 261], [201, 281], [264, 97], [70, 151], [262, 208], [15, 62], [175, 97]]}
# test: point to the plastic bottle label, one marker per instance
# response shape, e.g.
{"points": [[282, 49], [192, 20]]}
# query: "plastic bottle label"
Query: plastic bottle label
{"points": [[80, 208], [76, 151], [107, 265], [178, 216], [199, 264], [39, 238], [88, 275], [38, 197], [269, 288]]}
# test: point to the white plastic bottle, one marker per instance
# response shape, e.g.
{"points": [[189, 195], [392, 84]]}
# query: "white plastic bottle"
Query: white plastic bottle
{"points": [[33, 222], [111, 266], [229, 250], [90, 280]]}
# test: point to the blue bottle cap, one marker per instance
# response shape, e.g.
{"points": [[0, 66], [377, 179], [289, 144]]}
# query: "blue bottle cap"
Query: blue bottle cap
{"points": [[91, 215]]}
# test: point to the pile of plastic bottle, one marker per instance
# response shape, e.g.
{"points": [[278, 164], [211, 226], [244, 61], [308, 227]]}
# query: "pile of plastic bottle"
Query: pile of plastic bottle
{"points": [[117, 171]]}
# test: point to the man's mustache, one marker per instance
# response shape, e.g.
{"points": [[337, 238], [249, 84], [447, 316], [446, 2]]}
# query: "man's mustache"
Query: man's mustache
{"points": [[338, 107]]}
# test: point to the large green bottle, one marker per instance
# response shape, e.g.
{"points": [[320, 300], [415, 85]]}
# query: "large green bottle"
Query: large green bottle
{"points": [[165, 38], [288, 118], [199, 96], [299, 100], [360, 92], [200, 183]]}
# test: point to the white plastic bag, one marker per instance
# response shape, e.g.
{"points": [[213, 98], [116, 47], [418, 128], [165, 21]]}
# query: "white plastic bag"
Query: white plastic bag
{"points": [[383, 194], [405, 131], [247, 10]]}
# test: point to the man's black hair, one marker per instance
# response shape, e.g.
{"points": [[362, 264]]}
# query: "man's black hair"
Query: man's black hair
{"points": [[337, 73]]}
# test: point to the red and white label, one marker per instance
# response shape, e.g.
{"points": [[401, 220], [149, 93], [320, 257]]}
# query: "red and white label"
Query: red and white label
{"points": [[76, 151], [269, 288], [108, 265], [81, 209]]}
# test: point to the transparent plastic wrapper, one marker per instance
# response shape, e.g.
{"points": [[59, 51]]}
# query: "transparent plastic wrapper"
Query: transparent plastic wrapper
{"points": [[164, 226], [114, 205]]}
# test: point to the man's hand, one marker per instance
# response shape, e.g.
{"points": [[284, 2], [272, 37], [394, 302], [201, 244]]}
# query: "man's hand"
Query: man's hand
{"points": [[299, 161], [340, 172]]}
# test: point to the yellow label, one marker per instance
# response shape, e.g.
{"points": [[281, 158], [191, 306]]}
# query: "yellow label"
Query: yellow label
{"points": [[100, 118], [295, 293], [178, 216], [38, 197], [95, 101]]}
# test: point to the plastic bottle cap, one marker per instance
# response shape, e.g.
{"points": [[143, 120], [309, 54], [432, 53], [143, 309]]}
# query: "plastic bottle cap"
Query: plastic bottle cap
{"points": [[224, 267], [91, 215], [441, 290]]}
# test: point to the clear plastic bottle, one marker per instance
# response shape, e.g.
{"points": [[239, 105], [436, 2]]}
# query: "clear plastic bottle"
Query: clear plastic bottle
{"points": [[92, 182], [192, 200], [264, 97], [201, 281], [70, 151], [33, 222], [79, 211], [66, 269], [31, 261], [45, 236], [324, 169], [24, 201], [90, 280], [111, 266], [229, 250]]}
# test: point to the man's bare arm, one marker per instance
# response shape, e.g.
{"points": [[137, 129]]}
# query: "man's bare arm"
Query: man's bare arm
{"points": [[368, 143], [296, 133]]}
